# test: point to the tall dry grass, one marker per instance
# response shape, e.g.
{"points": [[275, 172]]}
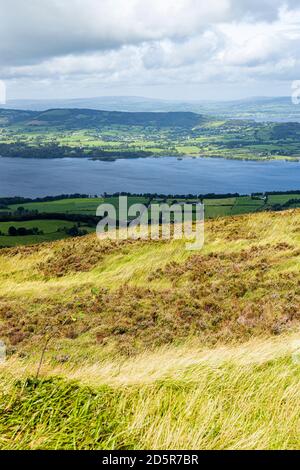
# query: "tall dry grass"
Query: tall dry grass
{"points": [[154, 346], [245, 397]]}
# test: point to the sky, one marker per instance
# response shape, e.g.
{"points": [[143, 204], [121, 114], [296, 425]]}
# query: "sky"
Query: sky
{"points": [[172, 49]]}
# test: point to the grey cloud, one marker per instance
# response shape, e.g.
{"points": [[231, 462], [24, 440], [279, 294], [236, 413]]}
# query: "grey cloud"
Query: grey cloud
{"points": [[35, 30], [264, 10], [146, 41]]}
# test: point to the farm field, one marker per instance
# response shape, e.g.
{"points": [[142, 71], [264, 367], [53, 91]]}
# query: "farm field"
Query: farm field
{"points": [[63, 206], [104, 135], [49, 230], [53, 229], [77, 207]]}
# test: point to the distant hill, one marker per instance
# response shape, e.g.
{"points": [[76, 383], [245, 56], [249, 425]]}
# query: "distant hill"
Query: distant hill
{"points": [[87, 118], [108, 103], [258, 108]]}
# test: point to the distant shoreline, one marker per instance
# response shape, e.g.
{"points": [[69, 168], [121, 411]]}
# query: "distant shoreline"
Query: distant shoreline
{"points": [[178, 157], [19, 199]]}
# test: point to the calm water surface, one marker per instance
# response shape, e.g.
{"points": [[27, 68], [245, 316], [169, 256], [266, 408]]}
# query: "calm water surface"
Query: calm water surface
{"points": [[36, 178]]}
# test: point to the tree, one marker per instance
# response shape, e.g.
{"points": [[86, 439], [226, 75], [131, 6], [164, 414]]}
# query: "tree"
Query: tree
{"points": [[21, 210], [12, 231], [22, 231]]}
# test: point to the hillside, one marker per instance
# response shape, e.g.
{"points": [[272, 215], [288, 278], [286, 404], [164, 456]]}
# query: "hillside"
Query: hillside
{"points": [[158, 339], [111, 135], [90, 118]]}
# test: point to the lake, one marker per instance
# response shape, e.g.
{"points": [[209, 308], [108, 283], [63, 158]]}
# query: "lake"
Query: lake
{"points": [[37, 178]]}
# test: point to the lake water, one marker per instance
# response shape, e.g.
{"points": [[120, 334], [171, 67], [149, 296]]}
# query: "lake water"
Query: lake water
{"points": [[36, 178]]}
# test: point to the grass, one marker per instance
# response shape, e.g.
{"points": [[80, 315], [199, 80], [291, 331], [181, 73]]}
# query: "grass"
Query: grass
{"points": [[281, 198], [54, 229], [128, 295], [51, 230], [214, 208], [152, 346], [176, 398], [74, 206], [7, 241], [78, 206], [47, 226]]}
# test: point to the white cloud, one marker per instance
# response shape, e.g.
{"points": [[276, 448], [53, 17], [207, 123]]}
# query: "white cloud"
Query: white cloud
{"points": [[148, 42], [33, 30]]}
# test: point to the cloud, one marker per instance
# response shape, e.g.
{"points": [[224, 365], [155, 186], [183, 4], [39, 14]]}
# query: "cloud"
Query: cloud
{"points": [[32, 31], [144, 42]]}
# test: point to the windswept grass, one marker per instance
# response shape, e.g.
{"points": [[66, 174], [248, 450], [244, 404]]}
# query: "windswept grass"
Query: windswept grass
{"points": [[131, 295], [152, 346], [230, 398]]}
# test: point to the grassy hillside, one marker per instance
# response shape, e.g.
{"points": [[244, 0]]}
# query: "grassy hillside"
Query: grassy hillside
{"points": [[86, 118], [155, 346]]}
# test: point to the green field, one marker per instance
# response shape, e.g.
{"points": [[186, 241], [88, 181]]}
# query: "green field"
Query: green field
{"points": [[75, 206], [6, 241], [69, 206], [47, 226], [52, 230], [105, 135], [281, 198]]}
